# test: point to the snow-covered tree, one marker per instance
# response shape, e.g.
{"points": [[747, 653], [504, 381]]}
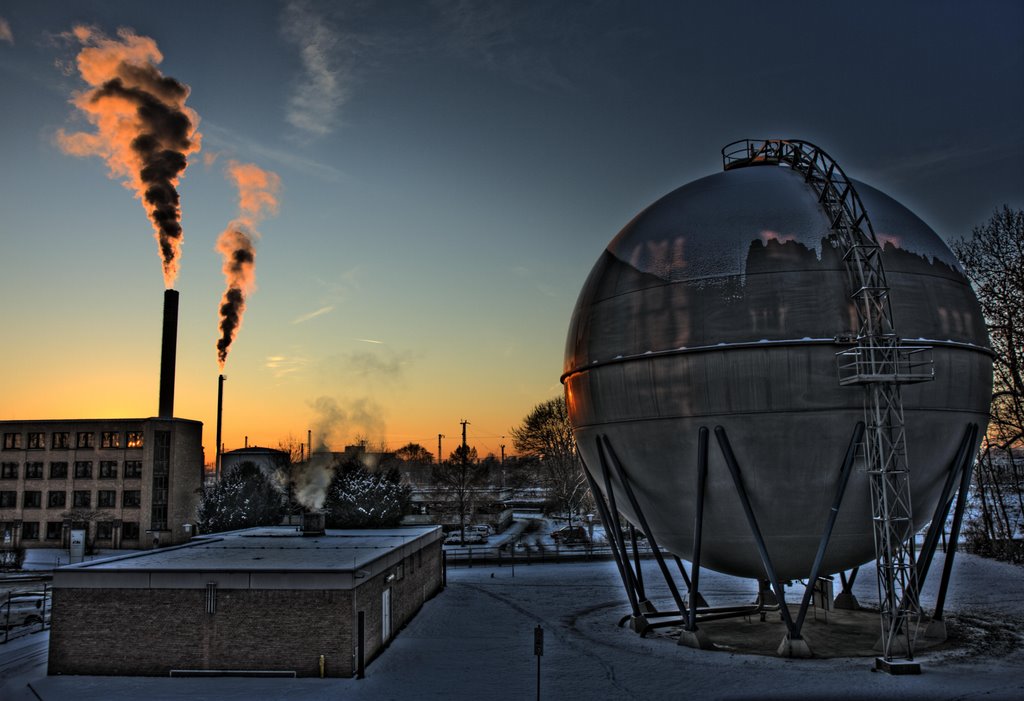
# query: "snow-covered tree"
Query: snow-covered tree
{"points": [[244, 498], [357, 498]]}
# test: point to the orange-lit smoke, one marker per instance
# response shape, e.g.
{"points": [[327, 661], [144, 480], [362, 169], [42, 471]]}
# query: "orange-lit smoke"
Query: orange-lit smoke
{"points": [[144, 131], [257, 198]]}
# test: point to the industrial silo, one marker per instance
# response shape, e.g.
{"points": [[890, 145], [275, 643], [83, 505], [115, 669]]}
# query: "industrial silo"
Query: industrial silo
{"points": [[727, 303]]}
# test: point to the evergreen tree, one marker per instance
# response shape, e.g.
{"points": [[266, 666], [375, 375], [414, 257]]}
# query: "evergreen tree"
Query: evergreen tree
{"points": [[244, 498], [357, 498]]}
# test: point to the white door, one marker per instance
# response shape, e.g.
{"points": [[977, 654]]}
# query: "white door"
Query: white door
{"points": [[385, 616]]}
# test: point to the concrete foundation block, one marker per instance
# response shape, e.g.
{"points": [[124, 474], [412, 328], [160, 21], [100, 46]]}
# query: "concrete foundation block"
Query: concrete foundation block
{"points": [[697, 639], [799, 648]]}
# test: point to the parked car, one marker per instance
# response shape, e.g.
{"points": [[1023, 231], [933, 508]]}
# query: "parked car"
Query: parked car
{"points": [[570, 535], [23, 609]]}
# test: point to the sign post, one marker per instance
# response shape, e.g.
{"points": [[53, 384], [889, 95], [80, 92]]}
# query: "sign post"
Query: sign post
{"points": [[538, 650]]}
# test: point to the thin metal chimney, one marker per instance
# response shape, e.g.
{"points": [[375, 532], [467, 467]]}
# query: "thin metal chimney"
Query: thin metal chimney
{"points": [[168, 351]]}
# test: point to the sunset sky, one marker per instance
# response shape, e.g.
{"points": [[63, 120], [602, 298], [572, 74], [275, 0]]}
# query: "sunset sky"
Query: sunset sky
{"points": [[449, 172]]}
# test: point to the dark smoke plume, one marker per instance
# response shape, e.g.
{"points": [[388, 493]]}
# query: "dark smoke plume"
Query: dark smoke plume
{"points": [[257, 197], [144, 131]]}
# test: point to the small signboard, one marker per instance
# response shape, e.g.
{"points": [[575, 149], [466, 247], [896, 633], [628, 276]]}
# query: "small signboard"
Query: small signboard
{"points": [[77, 550], [538, 641]]}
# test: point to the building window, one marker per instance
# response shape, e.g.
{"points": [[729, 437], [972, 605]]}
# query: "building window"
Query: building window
{"points": [[32, 500], [135, 439], [161, 472], [12, 441], [110, 439], [58, 470], [60, 440], [54, 530], [8, 500], [36, 440], [132, 469], [9, 471], [130, 530], [104, 529], [57, 499], [81, 499], [132, 499], [106, 498], [30, 530], [108, 469], [33, 470], [83, 469], [86, 439]]}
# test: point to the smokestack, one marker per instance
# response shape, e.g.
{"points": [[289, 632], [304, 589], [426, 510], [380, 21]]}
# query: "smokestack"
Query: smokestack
{"points": [[220, 412], [168, 351]]}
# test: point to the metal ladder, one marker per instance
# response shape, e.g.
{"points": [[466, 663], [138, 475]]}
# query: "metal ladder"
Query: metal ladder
{"points": [[878, 362]]}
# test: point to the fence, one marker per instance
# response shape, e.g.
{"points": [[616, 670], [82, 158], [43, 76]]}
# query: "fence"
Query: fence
{"points": [[26, 611], [502, 557]]}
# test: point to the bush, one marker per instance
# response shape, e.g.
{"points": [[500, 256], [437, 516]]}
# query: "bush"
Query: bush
{"points": [[12, 559]]}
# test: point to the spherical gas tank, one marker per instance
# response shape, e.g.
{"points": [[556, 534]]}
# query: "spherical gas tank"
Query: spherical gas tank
{"points": [[725, 303]]}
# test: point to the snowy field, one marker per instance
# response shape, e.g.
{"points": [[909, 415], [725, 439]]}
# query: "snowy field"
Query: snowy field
{"points": [[475, 641]]}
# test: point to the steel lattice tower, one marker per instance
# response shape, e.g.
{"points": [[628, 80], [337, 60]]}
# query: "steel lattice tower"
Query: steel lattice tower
{"points": [[879, 363]]}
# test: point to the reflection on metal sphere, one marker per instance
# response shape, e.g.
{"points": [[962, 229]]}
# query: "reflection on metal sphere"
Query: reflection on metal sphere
{"points": [[724, 304]]}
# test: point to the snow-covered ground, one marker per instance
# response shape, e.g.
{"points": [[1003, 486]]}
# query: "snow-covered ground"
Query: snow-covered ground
{"points": [[475, 640]]}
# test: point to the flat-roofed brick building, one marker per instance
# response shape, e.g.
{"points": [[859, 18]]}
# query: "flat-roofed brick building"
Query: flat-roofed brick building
{"points": [[260, 599]]}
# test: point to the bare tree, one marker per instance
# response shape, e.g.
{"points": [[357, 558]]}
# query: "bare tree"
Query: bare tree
{"points": [[295, 448], [993, 259], [460, 481], [546, 436]]}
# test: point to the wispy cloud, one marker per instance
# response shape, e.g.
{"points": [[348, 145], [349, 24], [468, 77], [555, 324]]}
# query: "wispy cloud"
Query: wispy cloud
{"points": [[540, 286], [284, 365], [5, 31], [507, 38], [218, 137], [946, 157], [370, 340], [381, 366], [303, 318], [323, 86]]}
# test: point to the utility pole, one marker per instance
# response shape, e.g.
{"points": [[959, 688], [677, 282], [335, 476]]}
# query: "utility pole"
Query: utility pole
{"points": [[439, 437], [465, 454]]}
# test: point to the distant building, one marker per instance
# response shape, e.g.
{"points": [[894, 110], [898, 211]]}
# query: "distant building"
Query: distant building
{"points": [[260, 599], [130, 483], [272, 462]]}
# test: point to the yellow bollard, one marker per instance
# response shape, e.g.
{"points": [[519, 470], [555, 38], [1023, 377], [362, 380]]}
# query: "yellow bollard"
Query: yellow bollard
{"points": [[321, 666]]}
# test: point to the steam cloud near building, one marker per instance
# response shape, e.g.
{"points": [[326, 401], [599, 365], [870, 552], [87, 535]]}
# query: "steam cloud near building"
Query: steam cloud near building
{"points": [[312, 478]]}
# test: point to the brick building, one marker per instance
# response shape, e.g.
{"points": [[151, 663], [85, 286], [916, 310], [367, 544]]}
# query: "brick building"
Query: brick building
{"points": [[130, 483], [259, 599]]}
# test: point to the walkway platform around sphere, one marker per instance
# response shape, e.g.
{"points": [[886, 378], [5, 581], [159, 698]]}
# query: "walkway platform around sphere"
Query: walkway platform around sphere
{"points": [[837, 633]]}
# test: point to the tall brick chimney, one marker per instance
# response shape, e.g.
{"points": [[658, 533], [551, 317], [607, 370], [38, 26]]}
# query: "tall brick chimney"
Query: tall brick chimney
{"points": [[168, 351]]}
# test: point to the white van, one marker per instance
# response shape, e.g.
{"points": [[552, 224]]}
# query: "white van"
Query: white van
{"points": [[23, 609]]}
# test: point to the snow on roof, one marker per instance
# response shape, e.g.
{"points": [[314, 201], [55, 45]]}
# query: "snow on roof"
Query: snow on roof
{"points": [[255, 556]]}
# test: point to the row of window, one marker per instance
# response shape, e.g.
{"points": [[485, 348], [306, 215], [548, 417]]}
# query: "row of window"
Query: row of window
{"points": [[55, 530], [105, 498], [62, 439], [83, 470]]}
